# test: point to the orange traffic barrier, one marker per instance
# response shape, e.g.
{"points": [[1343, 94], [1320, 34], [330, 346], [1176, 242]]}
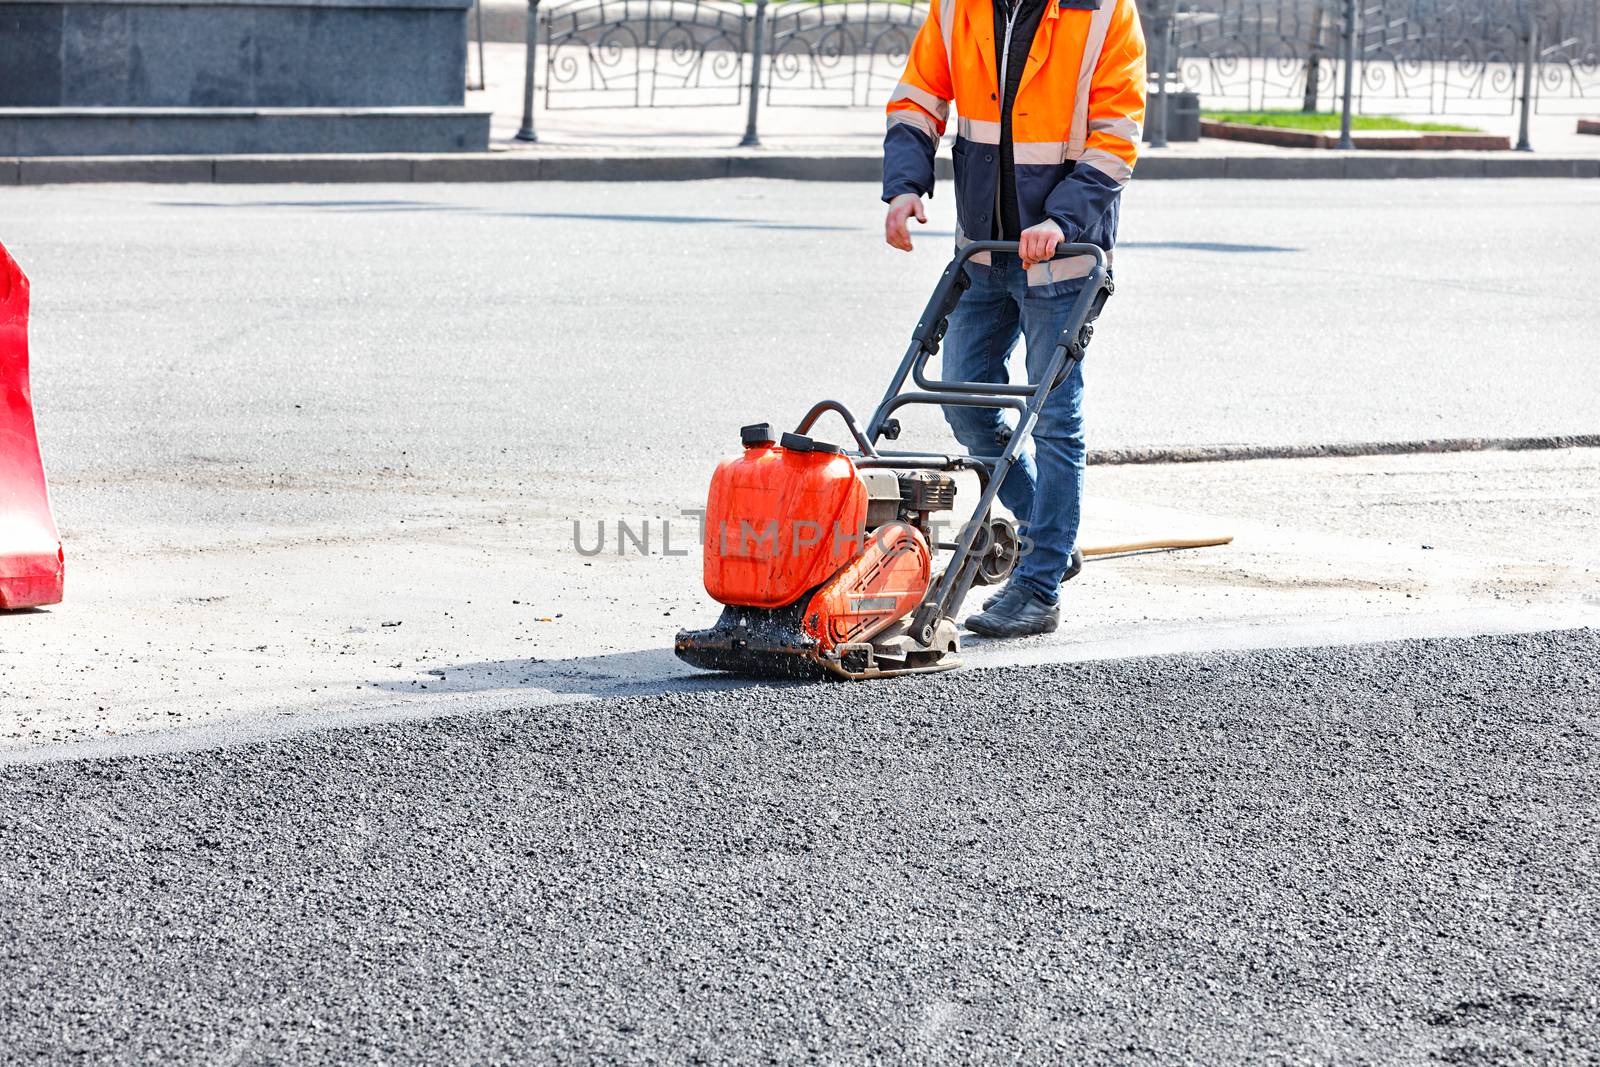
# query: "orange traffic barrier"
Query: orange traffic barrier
{"points": [[31, 562]]}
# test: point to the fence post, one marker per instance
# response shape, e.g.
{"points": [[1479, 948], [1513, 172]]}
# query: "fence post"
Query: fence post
{"points": [[1349, 73], [1530, 58], [1163, 35], [758, 48], [527, 133], [1308, 100]]}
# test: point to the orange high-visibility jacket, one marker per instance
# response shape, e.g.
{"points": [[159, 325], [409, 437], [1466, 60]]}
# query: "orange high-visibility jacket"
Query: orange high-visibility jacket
{"points": [[1075, 123]]}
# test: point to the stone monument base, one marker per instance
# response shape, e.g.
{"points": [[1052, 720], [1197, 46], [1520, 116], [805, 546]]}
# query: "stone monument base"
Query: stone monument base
{"points": [[234, 77]]}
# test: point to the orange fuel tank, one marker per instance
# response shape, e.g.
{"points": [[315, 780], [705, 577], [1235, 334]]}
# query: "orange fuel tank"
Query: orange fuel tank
{"points": [[781, 519]]}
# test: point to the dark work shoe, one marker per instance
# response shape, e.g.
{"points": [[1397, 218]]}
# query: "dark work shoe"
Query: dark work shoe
{"points": [[994, 598], [1072, 572], [1018, 613]]}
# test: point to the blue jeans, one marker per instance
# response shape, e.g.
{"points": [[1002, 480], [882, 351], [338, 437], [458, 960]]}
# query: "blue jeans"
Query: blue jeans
{"points": [[1045, 487]]}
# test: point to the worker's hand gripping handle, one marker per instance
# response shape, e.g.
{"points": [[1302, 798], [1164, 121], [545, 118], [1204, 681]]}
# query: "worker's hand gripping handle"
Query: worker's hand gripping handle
{"points": [[930, 328], [1065, 248]]}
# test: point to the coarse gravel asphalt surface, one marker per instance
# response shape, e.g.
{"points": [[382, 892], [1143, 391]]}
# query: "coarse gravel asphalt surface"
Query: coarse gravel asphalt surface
{"points": [[1379, 853]]}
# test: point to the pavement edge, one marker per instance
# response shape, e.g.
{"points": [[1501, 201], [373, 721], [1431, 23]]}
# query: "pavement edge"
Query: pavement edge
{"points": [[793, 166]]}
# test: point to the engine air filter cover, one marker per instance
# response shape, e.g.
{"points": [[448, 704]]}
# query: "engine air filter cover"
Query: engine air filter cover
{"points": [[928, 491]]}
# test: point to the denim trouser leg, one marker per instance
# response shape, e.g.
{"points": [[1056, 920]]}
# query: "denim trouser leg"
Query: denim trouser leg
{"points": [[1059, 453], [1044, 489], [983, 329]]}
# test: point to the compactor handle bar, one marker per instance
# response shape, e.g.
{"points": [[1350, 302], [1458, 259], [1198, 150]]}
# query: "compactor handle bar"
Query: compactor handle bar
{"points": [[954, 282], [1065, 248], [930, 331], [1026, 400], [935, 319]]}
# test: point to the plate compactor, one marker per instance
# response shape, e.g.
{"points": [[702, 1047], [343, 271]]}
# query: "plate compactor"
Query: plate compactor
{"points": [[824, 558]]}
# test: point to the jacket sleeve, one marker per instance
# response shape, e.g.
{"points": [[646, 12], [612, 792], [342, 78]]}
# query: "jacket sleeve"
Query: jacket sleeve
{"points": [[918, 109], [1116, 121]]}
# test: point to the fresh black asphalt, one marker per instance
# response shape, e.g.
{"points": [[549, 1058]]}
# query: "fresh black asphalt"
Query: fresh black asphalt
{"points": [[1383, 853]]}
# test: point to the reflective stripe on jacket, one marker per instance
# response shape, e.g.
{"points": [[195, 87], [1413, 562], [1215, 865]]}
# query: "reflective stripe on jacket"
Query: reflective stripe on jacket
{"points": [[1076, 122]]}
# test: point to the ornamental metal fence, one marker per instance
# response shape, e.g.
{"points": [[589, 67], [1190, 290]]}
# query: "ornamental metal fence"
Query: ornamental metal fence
{"points": [[1567, 36], [1254, 54], [1441, 58], [822, 53], [645, 53], [1403, 57]]}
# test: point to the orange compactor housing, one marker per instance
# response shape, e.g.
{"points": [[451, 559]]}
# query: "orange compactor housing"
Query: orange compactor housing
{"points": [[806, 561]]}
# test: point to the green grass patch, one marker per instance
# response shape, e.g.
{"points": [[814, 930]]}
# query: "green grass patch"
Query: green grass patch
{"points": [[1328, 120]]}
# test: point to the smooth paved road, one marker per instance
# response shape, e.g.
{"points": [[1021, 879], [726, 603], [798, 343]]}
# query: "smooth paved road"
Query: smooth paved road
{"points": [[1370, 854], [192, 340]]}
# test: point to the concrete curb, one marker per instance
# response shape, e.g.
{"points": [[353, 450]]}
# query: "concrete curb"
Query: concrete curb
{"points": [[799, 166], [1113, 457]]}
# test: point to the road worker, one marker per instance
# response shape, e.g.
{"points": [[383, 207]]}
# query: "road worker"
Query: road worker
{"points": [[1050, 98]]}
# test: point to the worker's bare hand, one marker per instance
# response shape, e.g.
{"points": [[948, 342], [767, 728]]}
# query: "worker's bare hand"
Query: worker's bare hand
{"points": [[896, 227], [1037, 244]]}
